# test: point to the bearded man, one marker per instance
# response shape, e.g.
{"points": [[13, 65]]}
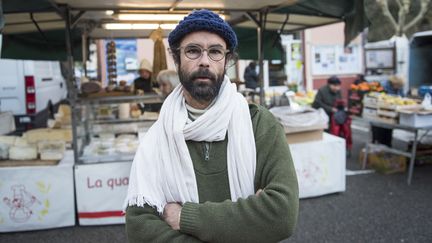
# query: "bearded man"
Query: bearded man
{"points": [[212, 168]]}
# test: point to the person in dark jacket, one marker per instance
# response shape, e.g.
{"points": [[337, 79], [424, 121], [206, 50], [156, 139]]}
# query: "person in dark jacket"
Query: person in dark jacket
{"points": [[327, 96], [250, 76]]}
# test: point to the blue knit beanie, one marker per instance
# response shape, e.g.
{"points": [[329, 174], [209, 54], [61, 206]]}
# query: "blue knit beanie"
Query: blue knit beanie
{"points": [[204, 20]]}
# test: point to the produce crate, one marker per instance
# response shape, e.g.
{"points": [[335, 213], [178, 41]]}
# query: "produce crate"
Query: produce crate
{"points": [[389, 120], [387, 113], [370, 101]]}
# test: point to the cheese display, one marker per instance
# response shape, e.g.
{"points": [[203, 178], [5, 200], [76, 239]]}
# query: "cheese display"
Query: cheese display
{"points": [[42, 134], [51, 150], [125, 144], [19, 141], [10, 140], [62, 118], [23, 153], [4, 151]]}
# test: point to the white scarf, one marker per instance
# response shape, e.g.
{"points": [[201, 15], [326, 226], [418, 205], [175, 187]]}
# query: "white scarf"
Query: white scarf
{"points": [[162, 170]]}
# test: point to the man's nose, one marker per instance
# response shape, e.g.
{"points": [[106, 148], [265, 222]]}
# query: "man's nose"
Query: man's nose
{"points": [[204, 60]]}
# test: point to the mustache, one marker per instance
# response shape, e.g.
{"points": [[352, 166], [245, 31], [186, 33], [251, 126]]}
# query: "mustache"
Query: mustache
{"points": [[203, 73]]}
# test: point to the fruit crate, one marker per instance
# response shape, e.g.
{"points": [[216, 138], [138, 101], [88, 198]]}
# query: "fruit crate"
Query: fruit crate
{"points": [[370, 101]]}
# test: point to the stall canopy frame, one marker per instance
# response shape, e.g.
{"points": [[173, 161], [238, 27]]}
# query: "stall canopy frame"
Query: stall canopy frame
{"points": [[37, 23]]}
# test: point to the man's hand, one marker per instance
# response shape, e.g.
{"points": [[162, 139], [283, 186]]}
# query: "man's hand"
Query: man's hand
{"points": [[171, 215], [258, 192]]}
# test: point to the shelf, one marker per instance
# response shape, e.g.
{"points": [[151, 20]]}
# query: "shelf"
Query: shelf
{"points": [[106, 158], [114, 121], [147, 99]]}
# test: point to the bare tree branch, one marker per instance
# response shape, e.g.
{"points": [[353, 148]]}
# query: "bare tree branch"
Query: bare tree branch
{"points": [[387, 14], [423, 10], [399, 2]]}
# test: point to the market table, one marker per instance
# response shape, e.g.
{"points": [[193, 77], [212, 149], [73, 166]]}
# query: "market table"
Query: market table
{"points": [[37, 197], [410, 155], [102, 187]]}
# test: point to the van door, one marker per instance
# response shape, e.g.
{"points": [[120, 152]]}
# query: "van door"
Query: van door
{"points": [[12, 93], [49, 83]]}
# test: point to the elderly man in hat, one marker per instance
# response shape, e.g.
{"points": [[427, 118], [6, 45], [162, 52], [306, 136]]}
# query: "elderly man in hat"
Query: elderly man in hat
{"points": [[212, 168], [167, 80]]}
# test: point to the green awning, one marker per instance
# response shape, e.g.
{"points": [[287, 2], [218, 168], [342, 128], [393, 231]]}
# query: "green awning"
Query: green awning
{"points": [[248, 45], [35, 46]]}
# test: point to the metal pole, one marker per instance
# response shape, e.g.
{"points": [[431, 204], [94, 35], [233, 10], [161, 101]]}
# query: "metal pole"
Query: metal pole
{"points": [[84, 51], [260, 32], [412, 158], [72, 94]]}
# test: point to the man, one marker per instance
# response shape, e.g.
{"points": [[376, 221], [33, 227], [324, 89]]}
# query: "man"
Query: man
{"points": [[327, 96], [167, 80], [212, 168], [250, 76], [143, 82]]}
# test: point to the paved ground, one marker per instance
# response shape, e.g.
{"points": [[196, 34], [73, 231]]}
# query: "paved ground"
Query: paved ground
{"points": [[374, 208]]}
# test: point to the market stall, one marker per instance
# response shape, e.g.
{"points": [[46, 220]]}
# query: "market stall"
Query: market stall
{"points": [[108, 127], [319, 158], [100, 192], [105, 127], [37, 197]]}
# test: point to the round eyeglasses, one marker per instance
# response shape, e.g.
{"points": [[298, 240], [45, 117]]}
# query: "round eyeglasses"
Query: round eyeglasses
{"points": [[215, 53]]}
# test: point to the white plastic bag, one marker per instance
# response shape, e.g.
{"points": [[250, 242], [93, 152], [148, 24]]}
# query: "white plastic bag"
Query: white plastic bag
{"points": [[427, 102]]}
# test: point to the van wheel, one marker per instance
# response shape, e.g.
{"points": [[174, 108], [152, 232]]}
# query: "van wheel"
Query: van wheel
{"points": [[50, 109]]}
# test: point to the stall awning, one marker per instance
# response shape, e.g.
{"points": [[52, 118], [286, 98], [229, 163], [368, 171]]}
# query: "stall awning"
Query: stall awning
{"points": [[40, 17], [36, 25]]}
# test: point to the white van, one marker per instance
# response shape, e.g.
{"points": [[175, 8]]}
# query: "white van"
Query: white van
{"points": [[30, 90]]}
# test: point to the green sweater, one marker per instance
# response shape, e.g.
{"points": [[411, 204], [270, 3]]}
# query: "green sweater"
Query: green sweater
{"points": [[269, 217]]}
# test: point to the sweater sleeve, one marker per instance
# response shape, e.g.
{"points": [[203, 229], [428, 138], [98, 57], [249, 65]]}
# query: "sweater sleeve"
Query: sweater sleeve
{"points": [[143, 224], [269, 217]]}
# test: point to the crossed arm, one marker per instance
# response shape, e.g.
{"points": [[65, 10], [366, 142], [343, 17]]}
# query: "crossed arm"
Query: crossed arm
{"points": [[267, 217]]}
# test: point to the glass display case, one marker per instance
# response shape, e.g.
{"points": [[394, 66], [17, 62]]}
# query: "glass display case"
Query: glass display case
{"points": [[107, 129]]}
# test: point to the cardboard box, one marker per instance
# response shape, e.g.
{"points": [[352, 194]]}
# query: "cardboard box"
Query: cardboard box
{"points": [[415, 116], [415, 120], [305, 136], [384, 162]]}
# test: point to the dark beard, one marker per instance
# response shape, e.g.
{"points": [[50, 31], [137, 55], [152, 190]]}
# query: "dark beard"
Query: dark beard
{"points": [[201, 91]]}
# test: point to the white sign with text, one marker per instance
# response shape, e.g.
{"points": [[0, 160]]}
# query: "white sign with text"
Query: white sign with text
{"points": [[100, 191]]}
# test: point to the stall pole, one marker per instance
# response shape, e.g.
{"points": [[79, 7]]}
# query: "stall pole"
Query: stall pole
{"points": [[84, 38], [260, 23], [72, 94], [260, 35]]}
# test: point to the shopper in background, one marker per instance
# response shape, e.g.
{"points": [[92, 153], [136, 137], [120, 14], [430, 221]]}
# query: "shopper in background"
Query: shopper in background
{"points": [[394, 86], [212, 168], [250, 76], [168, 80], [360, 79], [327, 96], [143, 82]]}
